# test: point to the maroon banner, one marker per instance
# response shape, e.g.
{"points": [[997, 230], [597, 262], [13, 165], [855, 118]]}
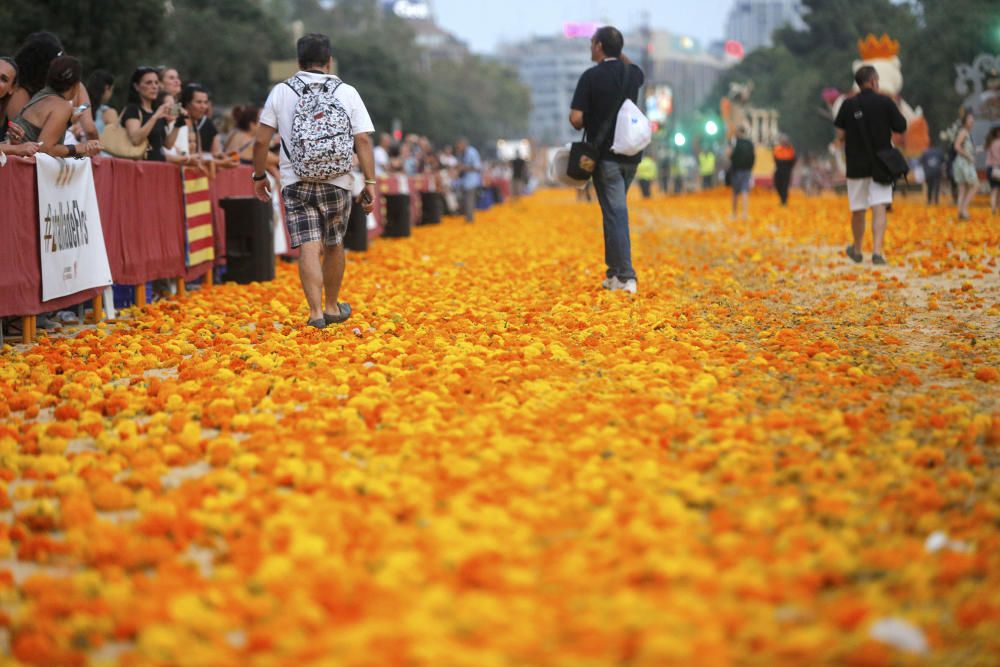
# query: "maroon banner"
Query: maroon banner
{"points": [[146, 231]]}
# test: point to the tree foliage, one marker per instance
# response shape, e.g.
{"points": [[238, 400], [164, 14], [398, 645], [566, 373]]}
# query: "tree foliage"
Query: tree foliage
{"points": [[226, 45], [791, 75], [106, 34]]}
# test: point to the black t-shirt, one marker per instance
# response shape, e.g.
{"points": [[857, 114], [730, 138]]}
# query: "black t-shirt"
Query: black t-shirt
{"points": [[743, 156], [156, 136], [881, 118], [206, 133], [599, 95], [518, 168]]}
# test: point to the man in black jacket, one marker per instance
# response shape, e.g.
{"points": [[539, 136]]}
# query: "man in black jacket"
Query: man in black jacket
{"points": [[595, 107], [867, 122]]}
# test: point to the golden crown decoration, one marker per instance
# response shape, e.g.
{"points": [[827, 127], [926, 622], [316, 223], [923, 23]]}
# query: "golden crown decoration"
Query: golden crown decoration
{"points": [[872, 48]]}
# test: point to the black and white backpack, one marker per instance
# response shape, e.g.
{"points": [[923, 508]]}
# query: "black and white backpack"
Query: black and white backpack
{"points": [[321, 144]]}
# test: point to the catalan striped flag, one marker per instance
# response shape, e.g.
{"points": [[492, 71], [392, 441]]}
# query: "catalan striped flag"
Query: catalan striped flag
{"points": [[198, 213]]}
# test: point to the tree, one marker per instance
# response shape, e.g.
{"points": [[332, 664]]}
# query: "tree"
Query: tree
{"points": [[225, 45], [377, 53], [959, 31], [107, 34], [477, 99]]}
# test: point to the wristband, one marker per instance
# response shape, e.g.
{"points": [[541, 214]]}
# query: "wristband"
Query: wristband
{"points": [[368, 182], [71, 151], [255, 177]]}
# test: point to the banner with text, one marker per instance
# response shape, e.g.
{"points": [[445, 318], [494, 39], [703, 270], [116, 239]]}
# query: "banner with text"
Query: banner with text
{"points": [[73, 254]]}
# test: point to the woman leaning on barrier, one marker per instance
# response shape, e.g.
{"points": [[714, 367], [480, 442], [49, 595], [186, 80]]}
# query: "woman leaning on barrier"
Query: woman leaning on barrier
{"points": [[11, 142], [49, 112]]}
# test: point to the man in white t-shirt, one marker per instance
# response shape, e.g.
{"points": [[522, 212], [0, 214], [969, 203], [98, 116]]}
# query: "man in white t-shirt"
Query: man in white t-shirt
{"points": [[316, 212], [382, 154]]}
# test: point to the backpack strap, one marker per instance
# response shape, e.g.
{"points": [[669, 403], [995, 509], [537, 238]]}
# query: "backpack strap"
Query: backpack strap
{"points": [[297, 89]]}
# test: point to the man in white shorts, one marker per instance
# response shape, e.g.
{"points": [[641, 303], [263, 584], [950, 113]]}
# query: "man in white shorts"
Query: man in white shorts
{"points": [[869, 185]]}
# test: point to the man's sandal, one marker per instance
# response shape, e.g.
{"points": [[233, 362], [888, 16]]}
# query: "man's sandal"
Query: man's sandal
{"points": [[345, 312]]}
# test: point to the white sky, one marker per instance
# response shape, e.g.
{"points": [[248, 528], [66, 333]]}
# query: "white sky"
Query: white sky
{"points": [[484, 23]]}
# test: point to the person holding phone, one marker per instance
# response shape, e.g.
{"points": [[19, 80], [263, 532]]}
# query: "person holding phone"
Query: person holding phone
{"points": [[142, 121]]}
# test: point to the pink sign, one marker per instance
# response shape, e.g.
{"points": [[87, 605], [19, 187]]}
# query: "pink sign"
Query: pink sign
{"points": [[577, 29]]}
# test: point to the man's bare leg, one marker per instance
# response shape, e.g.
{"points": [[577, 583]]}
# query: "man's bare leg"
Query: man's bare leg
{"points": [[858, 229], [333, 276], [311, 275], [878, 228]]}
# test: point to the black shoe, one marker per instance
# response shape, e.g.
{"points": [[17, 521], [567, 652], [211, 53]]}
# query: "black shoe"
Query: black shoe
{"points": [[345, 312], [878, 260], [318, 323], [854, 254]]}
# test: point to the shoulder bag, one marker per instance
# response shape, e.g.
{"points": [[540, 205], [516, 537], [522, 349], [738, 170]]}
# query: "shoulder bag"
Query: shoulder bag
{"points": [[889, 158], [583, 155], [115, 141]]}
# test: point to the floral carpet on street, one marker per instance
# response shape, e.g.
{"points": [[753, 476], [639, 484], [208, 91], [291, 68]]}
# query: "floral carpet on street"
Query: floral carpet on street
{"points": [[768, 456]]}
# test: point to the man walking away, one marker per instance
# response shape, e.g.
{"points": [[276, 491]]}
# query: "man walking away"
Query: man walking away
{"points": [[598, 96], [784, 162], [518, 175], [932, 161], [866, 123], [322, 122], [469, 167], [741, 161]]}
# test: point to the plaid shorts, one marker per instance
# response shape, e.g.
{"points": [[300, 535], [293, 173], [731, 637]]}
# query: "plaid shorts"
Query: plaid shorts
{"points": [[316, 212]]}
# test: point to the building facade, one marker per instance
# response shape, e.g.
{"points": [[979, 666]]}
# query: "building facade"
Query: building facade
{"points": [[752, 22]]}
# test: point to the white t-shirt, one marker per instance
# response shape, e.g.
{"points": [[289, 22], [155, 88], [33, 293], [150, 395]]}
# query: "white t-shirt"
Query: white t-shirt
{"points": [[181, 144], [279, 112], [381, 161]]}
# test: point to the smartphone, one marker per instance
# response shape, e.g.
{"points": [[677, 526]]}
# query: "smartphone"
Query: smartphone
{"points": [[178, 109], [366, 197]]}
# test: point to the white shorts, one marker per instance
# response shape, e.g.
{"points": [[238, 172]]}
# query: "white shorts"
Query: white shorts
{"points": [[863, 193]]}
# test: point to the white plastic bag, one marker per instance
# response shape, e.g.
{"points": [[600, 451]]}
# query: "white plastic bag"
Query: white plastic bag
{"points": [[632, 130]]}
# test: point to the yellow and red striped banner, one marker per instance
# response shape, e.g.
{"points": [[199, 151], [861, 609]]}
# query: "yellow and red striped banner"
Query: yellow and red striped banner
{"points": [[198, 215]]}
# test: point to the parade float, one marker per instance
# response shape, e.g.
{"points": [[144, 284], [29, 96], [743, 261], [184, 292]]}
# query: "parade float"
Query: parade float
{"points": [[979, 85], [762, 123]]}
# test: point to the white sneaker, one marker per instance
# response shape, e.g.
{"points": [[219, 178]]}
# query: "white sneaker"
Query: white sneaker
{"points": [[616, 285]]}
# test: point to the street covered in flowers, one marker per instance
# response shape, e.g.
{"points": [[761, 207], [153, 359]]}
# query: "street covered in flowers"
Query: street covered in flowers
{"points": [[769, 455]]}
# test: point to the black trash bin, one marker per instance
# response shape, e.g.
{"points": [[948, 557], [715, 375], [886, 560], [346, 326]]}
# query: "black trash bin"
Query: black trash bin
{"points": [[249, 240], [356, 237], [397, 216], [433, 208]]}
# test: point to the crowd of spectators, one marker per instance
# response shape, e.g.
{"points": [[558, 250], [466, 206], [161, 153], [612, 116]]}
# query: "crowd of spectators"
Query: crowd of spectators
{"points": [[457, 169], [46, 105]]}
